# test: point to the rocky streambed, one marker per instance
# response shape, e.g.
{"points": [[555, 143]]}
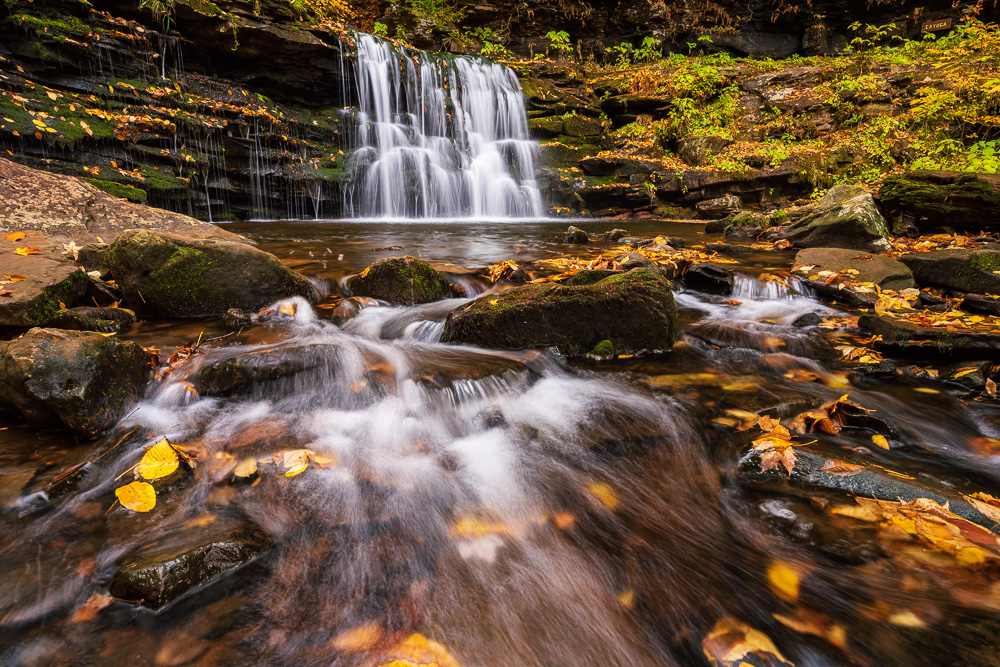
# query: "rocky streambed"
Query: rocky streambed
{"points": [[437, 443]]}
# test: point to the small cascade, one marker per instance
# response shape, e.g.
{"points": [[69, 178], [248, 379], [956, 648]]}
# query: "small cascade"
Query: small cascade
{"points": [[437, 137]]}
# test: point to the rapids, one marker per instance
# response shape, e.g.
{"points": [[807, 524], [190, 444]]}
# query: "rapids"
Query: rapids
{"points": [[516, 508]]}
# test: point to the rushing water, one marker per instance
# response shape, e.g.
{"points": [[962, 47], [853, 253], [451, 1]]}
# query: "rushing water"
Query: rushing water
{"points": [[437, 137], [516, 509]]}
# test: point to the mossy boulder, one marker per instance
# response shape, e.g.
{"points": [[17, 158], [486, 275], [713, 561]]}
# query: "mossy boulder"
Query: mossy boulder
{"points": [[83, 380], [547, 127], [579, 126], [402, 280], [958, 269], [846, 217], [163, 274], [165, 569], [938, 198], [740, 225], [633, 311]]}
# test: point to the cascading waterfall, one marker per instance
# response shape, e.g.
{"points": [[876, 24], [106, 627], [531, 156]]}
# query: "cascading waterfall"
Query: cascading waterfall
{"points": [[437, 137]]}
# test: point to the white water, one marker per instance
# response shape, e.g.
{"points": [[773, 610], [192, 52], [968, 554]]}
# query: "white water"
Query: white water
{"points": [[437, 137]]}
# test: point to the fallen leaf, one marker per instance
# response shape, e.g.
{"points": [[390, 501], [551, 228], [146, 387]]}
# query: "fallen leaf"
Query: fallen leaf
{"points": [[841, 468], [360, 638], [14, 277], [783, 580], [814, 623], [730, 641], [246, 467], [6, 292], [159, 461], [604, 493], [137, 496], [881, 441], [419, 651], [25, 251], [987, 505], [15, 236], [91, 607]]}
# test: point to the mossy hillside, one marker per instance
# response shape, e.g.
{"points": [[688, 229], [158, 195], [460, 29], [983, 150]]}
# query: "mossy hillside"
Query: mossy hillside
{"points": [[632, 311]]}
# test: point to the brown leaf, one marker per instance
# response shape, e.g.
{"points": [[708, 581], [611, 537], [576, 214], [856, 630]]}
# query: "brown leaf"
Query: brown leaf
{"points": [[91, 608], [841, 468], [730, 641]]}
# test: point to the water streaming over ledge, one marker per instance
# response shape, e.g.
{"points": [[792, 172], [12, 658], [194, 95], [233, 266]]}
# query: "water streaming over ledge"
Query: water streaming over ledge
{"points": [[437, 137]]}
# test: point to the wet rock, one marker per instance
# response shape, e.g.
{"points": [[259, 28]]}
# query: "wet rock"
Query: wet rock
{"points": [[958, 269], [756, 44], [881, 270], [710, 278], [82, 380], [728, 247], [634, 260], [900, 336], [579, 126], [402, 280], [236, 318], [165, 569], [846, 217], [104, 320], [49, 279], [807, 320], [944, 198], [979, 303], [695, 149], [719, 207], [970, 374], [163, 274], [576, 235], [614, 235], [589, 276], [256, 367], [634, 310], [548, 127]]}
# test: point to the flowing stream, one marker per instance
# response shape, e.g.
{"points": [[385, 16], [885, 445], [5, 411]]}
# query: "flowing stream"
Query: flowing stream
{"points": [[516, 509]]}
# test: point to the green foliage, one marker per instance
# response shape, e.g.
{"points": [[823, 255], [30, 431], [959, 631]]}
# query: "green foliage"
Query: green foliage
{"points": [[981, 157], [559, 40], [380, 29], [625, 54], [866, 38], [441, 13]]}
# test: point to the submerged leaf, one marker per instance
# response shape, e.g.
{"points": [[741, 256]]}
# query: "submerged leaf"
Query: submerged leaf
{"points": [[159, 461], [730, 641], [137, 496]]}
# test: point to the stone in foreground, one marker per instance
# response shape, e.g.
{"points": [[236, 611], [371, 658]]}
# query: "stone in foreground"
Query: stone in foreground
{"points": [[163, 570], [402, 280], [168, 275], [634, 311], [45, 279], [957, 269], [846, 217], [883, 271], [80, 378]]}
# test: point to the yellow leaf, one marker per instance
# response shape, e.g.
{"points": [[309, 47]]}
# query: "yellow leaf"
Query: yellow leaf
{"points": [[418, 651], [295, 461], [38, 123], [137, 496], [964, 372], [15, 236], [24, 252], [906, 619], [604, 493], [52, 96], [287, 309], [627, 598], [159, 461], [927, 390], [14, 277], [246, 467], [784, 580], [364, 273], [880, 441], [361, 638], [730, 641]]}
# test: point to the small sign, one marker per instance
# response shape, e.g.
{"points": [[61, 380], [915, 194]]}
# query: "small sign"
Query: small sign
{"points": [[934, 26]]}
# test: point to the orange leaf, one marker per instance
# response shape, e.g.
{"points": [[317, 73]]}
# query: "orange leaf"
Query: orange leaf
{"points": [[15, 236]]}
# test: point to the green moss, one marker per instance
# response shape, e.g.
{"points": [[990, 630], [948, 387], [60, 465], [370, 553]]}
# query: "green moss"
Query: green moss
{"points": [[603, 349], [120, 190], [49, 26]]}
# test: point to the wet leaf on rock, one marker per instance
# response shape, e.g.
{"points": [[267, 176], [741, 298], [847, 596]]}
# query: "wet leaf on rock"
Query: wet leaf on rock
{"points": [[986, 504], [810, 622], [419, 651], [774, 446], [91, 608], [731, 641], [783, 578], [25, 251], [159, 461], [137, 496], [15, 236]]}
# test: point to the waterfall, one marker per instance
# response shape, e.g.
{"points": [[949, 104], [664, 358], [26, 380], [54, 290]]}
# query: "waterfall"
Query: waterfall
{"points": [[437, 137]]}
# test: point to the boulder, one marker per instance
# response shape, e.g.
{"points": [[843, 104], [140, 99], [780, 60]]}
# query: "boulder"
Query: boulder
{"points": [[958, 269], [576, 235], [402, 280], [740, 225], [167, 275], [615, 235], [938, 198], [846, 217], [694, 150], [720, 207], [885, 272], [901, 336], [710, 278], [634, 311], [579, 126], [547, 127], [163, 570], [49, 278], [83, 380]]}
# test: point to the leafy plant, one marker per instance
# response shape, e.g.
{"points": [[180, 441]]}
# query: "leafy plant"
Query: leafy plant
{"points": [[559, 40], [441, 13], [380, 29]]}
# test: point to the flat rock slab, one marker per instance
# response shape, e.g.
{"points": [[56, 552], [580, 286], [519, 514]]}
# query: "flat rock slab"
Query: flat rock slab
{"points": [[883, 271], [938, 198], [900, 336], [957, 268], [66, 208], [50, 276], [165, 569]]}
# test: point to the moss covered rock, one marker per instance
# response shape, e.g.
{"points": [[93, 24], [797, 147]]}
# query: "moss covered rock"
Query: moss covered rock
{"points": [[958, 269], [945, 198], [632, 311], [403, 280], [84, 380], [163, 274], [846, 217]]}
